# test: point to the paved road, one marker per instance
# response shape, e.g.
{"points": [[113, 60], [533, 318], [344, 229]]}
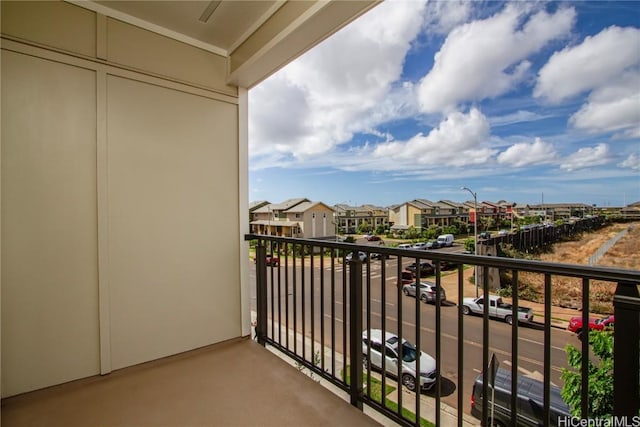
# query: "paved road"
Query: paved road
{"points": [[323, 300]]}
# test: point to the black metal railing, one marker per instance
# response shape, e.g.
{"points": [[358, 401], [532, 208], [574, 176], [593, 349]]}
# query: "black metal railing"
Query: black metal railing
{"points": [[314, 300]]}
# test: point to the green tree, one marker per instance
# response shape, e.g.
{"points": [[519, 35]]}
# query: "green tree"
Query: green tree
{"points": [[431, 232], [349, 239], [380, 229], [412, 233], [600, 377], [364, 227], [470, 245], [451, 229]]}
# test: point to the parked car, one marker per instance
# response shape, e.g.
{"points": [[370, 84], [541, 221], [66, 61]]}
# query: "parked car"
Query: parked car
{"points": [[448, 265], [484, 235], [271, 261], [420, 246], [497, 309], [428, 291], [377, 255], [503, 232], [390, 344], [426, 268], [445, 240], [530, 401], [406, 277], [361, 255], [433, 244], [404, 246], [575, 324], [372, 238]]}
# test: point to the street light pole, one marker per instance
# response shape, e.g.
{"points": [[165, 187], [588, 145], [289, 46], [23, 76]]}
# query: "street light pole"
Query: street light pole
{"points": [[475, 235]]}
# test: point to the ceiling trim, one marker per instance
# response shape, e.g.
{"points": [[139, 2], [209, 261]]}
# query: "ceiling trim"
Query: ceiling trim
{"points": [[301, 34], [240, 77], [264, 18], [208, 11], [98, 8]]}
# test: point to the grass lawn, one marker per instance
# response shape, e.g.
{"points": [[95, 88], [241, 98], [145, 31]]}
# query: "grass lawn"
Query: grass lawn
{"points": [[376, 394]]}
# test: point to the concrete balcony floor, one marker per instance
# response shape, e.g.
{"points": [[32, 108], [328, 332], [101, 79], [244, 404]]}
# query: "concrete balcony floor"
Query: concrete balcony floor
{"points": [[235, 383]]}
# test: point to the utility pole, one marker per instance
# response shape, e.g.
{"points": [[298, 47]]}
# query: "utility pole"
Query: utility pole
{"points": [[475, 234]]}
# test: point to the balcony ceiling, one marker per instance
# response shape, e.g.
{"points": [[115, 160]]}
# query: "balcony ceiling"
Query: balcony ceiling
{"points": [[257, 37], [220, 24]]}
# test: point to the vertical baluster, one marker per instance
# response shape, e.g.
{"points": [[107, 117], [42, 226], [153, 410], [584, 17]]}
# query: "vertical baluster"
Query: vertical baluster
{"points": [[322, 309], [585, 350], [547, 350], [460, 343], [485, 345], [261, 292], [626, 399], [355, 331], [286, 285], [514, 349], [312, 294], [333, 314]]}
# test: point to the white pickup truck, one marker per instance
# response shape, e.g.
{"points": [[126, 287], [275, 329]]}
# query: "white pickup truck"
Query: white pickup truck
{"points": [[497, 308]]}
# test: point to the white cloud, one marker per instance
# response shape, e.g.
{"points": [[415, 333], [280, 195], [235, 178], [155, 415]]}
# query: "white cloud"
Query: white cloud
{"points": [[487, 58], [608, 66], [614, 107], [587, 157], [632, 162], [525, 154], [459, 140], [594, 63], [516, 117], [341, 87], [444, 16]]}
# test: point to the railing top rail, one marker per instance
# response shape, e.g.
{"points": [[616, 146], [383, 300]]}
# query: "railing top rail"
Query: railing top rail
{"points": [[572, 270]]}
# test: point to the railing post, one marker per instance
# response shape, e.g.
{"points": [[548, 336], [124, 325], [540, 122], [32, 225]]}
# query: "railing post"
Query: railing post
{"points": [[626, 338], [355, 330], [261, 292]]}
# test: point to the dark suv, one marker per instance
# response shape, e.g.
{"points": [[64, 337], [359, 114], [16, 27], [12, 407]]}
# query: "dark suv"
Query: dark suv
{"points": [[426, 268], [530, 401]]}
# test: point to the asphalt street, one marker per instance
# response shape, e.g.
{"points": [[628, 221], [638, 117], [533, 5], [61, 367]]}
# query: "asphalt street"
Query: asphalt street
{"points": [[318, 316]]}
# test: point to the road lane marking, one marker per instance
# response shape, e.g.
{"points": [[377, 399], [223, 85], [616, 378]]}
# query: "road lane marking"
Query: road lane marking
{"points": [[335, 318], [539, 343], [379, 301]]}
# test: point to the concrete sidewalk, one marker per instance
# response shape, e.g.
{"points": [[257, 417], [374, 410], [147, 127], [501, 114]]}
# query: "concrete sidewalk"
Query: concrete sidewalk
{"points": [[448, 414]]}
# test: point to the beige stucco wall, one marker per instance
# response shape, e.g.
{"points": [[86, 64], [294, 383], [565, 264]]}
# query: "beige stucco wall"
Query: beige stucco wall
{"points": [[115, 177], [393, 216], [50, 325], [134, 47], [411, 212], [173, 269], [323, 226]]}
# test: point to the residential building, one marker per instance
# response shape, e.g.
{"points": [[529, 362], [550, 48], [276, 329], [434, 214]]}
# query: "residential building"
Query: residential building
{"points": [[349, 219], [294, 218], [631, 211], [554, 211], [521, 210], [253, 206], [409, 214]]}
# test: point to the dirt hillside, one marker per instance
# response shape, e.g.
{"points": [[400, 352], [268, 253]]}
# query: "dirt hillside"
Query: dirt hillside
{"points": [[567, 292]]}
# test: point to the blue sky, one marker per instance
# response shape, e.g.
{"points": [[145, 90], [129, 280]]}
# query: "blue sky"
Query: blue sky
{"points": [[520, 101]]}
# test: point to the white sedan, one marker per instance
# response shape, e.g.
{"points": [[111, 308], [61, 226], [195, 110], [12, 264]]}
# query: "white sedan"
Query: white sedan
{"points": [[390, 347]]}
